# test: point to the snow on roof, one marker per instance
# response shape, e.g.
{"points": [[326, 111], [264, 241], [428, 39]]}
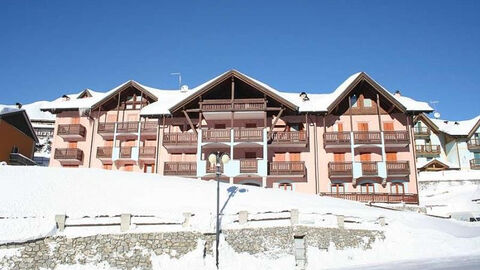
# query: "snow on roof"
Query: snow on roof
{"points": [[33, 111], [449, 175], [456, 128]]}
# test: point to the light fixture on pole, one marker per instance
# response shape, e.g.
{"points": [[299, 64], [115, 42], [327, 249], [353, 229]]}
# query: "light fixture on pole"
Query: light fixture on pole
{"points": [[218, 159]]}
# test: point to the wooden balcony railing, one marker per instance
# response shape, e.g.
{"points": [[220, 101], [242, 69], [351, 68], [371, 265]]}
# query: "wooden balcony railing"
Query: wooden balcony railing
{"points": [[147, 152], [363, 110], [336, 138], [68, 154], [340, 169], [421, 131], [248, 134], [181, 138], [287, 168], [396, 137], [127, 127], [473, 144], [104, 152], [216, 135], [367, 137], [71, 130], [149, 127], [106, 128], [375, 197], [475, 164], [427, 149], [236, 105], [369, 168], [289, 137], [248, 165], [398, 168], [126, 152], [212, 168], [180, 168]]}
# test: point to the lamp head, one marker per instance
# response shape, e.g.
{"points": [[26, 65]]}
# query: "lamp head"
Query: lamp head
{"points": [[212, 158], [225, 158]]}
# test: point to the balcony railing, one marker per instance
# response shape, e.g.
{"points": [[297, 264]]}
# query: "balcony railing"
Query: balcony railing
{"points": [[289, 137], [216, 135], [72, 130], [287, 168], [180, 138], [427, 149], [180, 168], [212, 168], [369, 168], [398, 168], [375, 197], [396, 137], [147, 152], [248, 165], [473, 144], [421, 131], [104, 152], [336, 138], [106, 128], [248, 134], [236, 105], [475, 164], [340, 169], [127, 127], [126, 152], [68, 154], [149, 126], [367, 137]]}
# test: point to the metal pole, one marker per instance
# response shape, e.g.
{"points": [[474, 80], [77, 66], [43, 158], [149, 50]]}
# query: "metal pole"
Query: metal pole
{"points": [[218, 209]]}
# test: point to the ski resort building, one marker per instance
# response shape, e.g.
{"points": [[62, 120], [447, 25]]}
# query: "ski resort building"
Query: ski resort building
{"points": [[356, 142], [447, 145]]}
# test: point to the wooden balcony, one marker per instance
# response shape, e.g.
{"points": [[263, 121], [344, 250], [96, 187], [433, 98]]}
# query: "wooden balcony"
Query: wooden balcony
{"points": [[336, 139], [104, 153], [126, 152], [287, 168], [69, 156], [212, 168], [216, 135], [340, 169], [249, 165], [218, 105], [180, 140], [363, 110], [369, 168], [475, 164], [427, 150], [398, 168], [375, 197], [248, 134], [288, 138], [127, 129], [367, 137], [180, 168], [473, 144], [148, 129], [396, 138], [421, 131], [147, 153], [106, 130], [71, 132]]}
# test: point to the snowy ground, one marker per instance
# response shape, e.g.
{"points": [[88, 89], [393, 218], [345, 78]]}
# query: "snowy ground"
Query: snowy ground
{"points": [[30, 197]]}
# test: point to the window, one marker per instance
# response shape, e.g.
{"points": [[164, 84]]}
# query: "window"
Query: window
{"points": [[354, 100], [285, 186], [337, 188], [107, 166], [250, 155], [250, 125], [396, 188], [220, 126], [367, 188], [148, 168], [367, 102]]}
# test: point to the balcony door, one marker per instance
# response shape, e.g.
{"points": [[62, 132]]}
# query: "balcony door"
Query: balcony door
{"points": [[362, 127]]}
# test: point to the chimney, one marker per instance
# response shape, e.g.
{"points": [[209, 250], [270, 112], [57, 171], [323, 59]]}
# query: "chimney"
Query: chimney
{"points": [[19, 105], [397, 93]]}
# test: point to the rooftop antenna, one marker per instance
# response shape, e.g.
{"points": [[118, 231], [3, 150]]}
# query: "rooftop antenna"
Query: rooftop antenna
{"points": [[179, 78], [436, 114]]}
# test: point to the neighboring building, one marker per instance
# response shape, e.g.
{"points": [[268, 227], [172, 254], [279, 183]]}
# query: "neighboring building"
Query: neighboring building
{"points": [[447, 145], [18, 138], [354, 143]]}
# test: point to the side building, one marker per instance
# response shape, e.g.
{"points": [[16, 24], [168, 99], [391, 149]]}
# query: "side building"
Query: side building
{"points": [[355, 143]]}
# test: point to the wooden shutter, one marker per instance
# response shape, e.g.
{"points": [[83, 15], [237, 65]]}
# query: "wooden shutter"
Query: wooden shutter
{"points": [[294, 156], [388, 126], [279, 157], [365, 156], [339, 157], [340, 127], [391, 156], [362, 126]]}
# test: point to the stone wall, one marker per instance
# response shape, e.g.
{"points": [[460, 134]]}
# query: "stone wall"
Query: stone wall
{"points": [[128, 251]]}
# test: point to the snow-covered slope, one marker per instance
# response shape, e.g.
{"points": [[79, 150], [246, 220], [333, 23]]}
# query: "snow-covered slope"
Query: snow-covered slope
{"points": [[40, 193]]}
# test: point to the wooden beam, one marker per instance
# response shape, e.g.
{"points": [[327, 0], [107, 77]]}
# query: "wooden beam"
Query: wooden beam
{"points": [[233, 88], [350, 110], [276, 118], [190, 122], [378, 113]]}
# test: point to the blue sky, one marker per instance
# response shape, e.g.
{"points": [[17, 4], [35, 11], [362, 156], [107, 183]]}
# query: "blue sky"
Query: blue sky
{"points": [[427, 49]]}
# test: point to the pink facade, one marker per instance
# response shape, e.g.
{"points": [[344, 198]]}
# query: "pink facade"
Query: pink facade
{"points": [[354, 149]]}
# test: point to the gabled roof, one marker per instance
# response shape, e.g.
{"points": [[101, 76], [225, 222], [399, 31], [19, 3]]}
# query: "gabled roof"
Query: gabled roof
{"points": [[427, 121], [436, 162], [19, 119]]}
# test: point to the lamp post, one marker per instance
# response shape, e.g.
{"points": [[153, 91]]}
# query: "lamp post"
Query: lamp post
{"points": [[218, 159]]}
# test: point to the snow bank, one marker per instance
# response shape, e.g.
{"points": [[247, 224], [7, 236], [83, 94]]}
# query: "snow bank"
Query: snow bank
{"points": [[463, 175]]}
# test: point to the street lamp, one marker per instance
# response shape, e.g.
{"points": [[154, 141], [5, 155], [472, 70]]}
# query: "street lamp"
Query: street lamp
{"points": [[218, 159]]}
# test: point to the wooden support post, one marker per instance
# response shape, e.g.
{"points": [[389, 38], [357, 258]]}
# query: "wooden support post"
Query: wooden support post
{"points": [[378, 113], [233, 89], [118, 106], [277, 117], [350, 110], [190, 122]]}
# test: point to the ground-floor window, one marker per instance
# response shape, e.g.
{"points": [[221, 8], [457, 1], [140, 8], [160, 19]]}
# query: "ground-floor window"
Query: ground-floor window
{"points": [[397, 188], [285, 186], [107, 166], [367, 188], [337, 188], [148, 168]]}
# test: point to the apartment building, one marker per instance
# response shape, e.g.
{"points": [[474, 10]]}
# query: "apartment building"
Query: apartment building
{"points": [[447, 145], [355, 142]]}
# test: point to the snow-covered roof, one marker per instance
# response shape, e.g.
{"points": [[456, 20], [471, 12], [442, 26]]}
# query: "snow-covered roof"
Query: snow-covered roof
{"points": [[456, 128], [33, 111], [168, 99]]}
